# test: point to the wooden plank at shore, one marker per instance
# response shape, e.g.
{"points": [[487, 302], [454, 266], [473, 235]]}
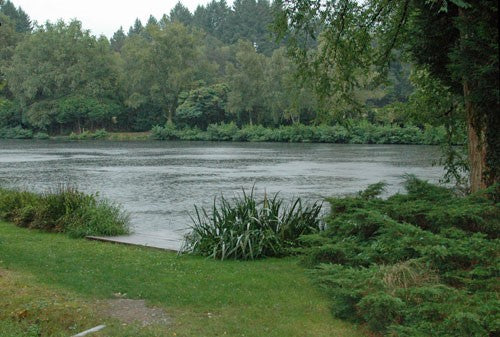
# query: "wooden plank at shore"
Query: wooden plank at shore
{"points": [[89, 331], [149, 241]]}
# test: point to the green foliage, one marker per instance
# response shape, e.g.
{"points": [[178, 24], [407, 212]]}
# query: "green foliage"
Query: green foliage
{"points": [[17, 132], [455, 42], [169, 132], [65, 210], [246, 79], [85, 111], [19, 17], [358, 133], [162, 63], [218, 65], [10, 114], [424, 263], [41, 136], [203, 106], [380, 310], [221, 132], [85, 135], [247, 229]]}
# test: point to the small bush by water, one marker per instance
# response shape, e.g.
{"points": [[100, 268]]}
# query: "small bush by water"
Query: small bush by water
{"points": [[246, 229], [424, 263], [65, 210], [85, 135]]}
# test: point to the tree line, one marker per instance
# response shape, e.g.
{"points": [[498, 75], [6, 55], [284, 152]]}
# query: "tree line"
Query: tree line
{"points": [[218, 64]]}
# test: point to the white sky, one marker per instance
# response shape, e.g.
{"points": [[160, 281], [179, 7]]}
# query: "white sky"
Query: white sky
{"points": [[101, 16]]}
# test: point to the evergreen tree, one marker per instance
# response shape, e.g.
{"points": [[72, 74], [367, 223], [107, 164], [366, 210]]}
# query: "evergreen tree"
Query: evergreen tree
{"points": [[136, 29], [181, 14], [21, 20], [118, 40], [214, 19], [250, 21], [152, 21]]}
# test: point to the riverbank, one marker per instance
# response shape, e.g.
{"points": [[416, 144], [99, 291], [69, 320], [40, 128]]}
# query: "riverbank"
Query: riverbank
{"points": [[55, 285], [357, 133]]}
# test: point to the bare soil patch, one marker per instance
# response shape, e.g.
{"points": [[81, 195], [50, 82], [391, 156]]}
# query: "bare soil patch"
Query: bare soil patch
{"points": [[130, 311]]}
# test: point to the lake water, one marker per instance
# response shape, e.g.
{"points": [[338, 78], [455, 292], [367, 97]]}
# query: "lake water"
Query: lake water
{"points": [[159, 182]]}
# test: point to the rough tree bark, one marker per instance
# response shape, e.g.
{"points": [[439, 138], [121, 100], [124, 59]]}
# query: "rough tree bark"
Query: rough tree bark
{"points": [[477, 147], [481, 175]]}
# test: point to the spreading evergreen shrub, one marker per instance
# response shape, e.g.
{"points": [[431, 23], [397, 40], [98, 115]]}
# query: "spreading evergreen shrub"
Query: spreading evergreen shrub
{"points": [[424, 263]]}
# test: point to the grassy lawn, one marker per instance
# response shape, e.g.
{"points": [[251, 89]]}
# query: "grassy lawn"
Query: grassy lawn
{"points": [[54, 285]]}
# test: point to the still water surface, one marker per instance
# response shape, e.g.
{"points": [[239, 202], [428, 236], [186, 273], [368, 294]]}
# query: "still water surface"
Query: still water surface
{"points": [[159, 182]]}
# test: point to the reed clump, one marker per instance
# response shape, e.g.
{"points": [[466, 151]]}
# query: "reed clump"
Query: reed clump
{"points": [[246, 228]]}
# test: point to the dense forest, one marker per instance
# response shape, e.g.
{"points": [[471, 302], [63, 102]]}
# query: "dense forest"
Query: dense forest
{"points": [[220, 64]]}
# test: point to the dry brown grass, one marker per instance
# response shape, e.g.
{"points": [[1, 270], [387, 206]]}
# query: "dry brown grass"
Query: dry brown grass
{"points": [[407, 274]]}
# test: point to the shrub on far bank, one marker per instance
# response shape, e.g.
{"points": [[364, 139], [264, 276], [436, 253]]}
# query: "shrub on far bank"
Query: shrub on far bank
{"points": [[17, 132], [65, 210], [358, 133], [246, 229], [85, 135], [41, 136]]}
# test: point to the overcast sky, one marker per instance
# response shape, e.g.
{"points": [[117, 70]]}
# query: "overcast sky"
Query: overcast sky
{"points": [[101, 16]]}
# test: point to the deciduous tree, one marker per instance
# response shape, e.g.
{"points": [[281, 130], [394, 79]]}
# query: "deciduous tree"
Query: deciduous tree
{"points": [[455, 40]]}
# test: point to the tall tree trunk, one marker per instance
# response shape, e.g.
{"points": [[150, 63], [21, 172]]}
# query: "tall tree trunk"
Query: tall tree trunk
{"points": [[480, 174], [477, 146], [170, 116]]}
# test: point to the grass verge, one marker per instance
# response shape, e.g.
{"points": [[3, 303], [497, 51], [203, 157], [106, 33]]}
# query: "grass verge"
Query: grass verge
{"points": [[65, 278]]}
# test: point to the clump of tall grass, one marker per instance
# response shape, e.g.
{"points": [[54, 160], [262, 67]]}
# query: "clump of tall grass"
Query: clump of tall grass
{"points": [[246, 229], [64, 210]]}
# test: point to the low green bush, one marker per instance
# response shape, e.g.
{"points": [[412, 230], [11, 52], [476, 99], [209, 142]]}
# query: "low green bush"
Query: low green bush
{"points": [[86, 135], [100, 134], [169, 132], [253, 133], [65, 210], [424, 263], [17, 132], [245, 228], [41, 136]]}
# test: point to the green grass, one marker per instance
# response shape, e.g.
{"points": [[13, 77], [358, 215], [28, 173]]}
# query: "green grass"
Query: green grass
{"points": [[271, 297]]}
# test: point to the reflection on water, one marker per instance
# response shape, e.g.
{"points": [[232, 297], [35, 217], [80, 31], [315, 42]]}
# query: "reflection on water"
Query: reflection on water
{"points": [[159, 182]]}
